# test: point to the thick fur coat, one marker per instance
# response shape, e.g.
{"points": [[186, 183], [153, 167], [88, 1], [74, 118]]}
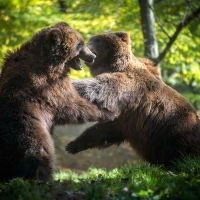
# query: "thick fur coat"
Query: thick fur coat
{"points": [[157, 121], [35, 95]]}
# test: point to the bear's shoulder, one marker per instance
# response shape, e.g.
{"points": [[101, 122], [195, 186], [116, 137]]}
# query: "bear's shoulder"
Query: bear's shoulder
{"points": [[149, 65]]}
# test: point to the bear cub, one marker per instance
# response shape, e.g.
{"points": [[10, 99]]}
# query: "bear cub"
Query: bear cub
{"points": [[35, 95], [157, 121]]}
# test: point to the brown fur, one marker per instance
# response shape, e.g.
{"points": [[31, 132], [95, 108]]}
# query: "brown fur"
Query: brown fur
{"points": [[156, 120], [35, 95]]}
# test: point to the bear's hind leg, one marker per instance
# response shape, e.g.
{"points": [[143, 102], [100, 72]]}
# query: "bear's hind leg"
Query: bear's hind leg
{"points": [[46, 157], [38, 159]]}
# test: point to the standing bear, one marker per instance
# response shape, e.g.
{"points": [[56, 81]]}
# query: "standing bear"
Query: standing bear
{"points": [[35, 95], [157, 121]]}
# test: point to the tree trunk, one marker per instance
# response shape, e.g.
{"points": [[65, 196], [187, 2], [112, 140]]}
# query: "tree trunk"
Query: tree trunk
{"points": [[148, 30], [63, 7]]}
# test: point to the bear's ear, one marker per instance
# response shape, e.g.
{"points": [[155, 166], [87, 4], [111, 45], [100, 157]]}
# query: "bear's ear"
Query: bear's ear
{"points": [[124, 37], [62, 24], [55, 36]]}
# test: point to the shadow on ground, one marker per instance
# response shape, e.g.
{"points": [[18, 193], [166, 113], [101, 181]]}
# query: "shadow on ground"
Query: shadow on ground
{"points": [[109, 158]]}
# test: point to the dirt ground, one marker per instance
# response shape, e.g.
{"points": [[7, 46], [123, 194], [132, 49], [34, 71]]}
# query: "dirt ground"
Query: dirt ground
{"points": [[109, 158]]}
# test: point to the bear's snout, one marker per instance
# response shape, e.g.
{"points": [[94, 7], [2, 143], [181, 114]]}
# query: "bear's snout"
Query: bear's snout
{"points": [[86, 55]]}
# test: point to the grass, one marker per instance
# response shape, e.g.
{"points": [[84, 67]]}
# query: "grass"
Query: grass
{"points": [[127, 182]]}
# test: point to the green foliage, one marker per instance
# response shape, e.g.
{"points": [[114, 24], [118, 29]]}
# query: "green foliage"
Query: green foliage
{"points": [[18, 21], [20, 189], [143, 181], [182, 63], [189, 165]]}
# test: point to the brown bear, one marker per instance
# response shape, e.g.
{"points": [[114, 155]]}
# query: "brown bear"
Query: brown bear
{"points": [[35, 95], [157, 121]]}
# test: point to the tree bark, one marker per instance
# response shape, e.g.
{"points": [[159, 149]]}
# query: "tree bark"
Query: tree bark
{"points": [[148, 29]]}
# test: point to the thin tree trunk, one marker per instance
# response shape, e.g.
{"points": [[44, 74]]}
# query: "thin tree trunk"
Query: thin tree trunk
{"points": [[148, 29], [63, 7]]}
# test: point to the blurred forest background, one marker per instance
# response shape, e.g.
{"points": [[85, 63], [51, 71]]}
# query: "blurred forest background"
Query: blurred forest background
{"points": [[165, 31]]}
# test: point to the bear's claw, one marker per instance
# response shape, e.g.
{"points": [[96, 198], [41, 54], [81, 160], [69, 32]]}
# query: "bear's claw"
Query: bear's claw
{"points": [[71, 148], [75, 147]]}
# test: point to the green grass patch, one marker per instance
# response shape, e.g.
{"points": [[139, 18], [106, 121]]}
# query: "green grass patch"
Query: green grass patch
{"points": [[143, 181]]}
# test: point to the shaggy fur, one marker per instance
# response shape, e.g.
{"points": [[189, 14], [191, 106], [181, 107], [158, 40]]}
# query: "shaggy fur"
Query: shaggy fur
{"points": [[35, 95], [157, 121]]}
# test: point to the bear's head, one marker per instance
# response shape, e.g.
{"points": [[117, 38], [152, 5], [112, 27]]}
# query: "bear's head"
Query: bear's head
{"points": [[60, 45], [112, 50]]}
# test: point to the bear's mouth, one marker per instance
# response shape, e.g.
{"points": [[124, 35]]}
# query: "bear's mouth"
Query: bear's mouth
{"points": [[75, 63], [95, 53]]}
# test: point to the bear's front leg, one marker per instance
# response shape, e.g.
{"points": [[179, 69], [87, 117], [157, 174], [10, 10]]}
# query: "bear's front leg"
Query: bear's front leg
{"points": [[101, 135], [102, 91], [89, 89]]}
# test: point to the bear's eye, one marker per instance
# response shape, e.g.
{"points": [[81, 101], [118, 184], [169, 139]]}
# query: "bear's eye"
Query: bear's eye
{"points": [[80, 44], [98, 40]]}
